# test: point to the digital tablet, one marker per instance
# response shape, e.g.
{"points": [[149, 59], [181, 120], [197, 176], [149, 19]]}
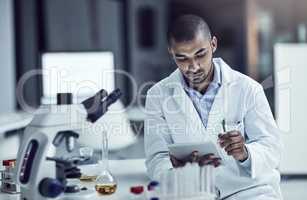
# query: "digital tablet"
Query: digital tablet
{"points": [[182, 150]]}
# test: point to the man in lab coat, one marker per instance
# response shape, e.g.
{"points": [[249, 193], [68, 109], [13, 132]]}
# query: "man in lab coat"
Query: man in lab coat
{"points": [[192, 104]]}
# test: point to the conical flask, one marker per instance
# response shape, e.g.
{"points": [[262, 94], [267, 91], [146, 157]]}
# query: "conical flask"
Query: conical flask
{"points": [[105, 182]]}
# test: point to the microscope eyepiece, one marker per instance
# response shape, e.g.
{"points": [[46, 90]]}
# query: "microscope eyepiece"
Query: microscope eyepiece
{"points": [[97, 105], [64, 98], [95, 100], [113, 97]]}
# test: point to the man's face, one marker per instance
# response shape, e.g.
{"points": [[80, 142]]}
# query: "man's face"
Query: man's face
{"points": [[194, 58]]}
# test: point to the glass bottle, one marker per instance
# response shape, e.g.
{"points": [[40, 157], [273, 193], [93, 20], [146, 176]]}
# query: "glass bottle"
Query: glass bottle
{"points": [[105, 182]]}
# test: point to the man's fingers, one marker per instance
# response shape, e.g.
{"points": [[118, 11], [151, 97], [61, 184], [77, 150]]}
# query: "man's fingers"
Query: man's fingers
{"points": [[193, 157], [226, 143], [228, 135], [209, 161], [232, 146], [231, 140], [173, 160], [215, 161], [207, 156], [176, 162], [233, 152], [172, 157]]}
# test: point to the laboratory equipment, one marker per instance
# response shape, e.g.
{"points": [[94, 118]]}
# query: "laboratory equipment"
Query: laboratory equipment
{"points": [[66, 181], [86, 152], [89, 172], [69, 72], [153, 185], [153, 190], [137, 193], [14, 120], [11, 129], [38, 163], [105, 182], [188, 182], [8, 184]]}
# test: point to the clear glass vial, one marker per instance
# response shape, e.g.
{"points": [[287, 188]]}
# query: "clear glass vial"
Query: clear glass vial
{"points": [[105, 183]]}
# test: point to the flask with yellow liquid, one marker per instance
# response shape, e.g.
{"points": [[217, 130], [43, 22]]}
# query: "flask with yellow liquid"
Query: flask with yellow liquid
{"points": [[105, 183]]}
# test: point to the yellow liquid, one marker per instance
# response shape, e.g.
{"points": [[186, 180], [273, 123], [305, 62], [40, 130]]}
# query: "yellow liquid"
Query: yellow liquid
{"points": [[105, 189], [88, 178]]}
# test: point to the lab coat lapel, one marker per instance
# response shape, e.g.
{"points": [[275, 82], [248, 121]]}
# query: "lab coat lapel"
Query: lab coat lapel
{"points": [[188, 115], [193, 124], [221, 102], [216, 113]]}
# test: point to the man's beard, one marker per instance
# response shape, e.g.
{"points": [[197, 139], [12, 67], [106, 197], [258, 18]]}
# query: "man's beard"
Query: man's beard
{"points": [[199, 77]]}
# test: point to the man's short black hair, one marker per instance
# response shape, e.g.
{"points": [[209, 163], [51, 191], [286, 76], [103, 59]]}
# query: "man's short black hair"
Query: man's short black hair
{"points": [[186, 27]]}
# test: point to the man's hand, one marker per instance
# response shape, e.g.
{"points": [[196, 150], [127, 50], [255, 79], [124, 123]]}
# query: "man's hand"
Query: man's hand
{"points": [[208, 159], [234, 145]]}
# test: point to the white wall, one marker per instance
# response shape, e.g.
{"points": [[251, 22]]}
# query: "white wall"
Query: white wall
{"points": [[7, 68], [291, 109]]}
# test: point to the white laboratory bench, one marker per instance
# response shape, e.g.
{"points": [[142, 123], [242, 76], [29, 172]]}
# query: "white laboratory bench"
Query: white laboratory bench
{"points": [[127, 173]]}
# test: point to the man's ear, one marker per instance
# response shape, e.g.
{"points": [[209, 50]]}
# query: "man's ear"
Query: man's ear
{"points": [[214, 44]]}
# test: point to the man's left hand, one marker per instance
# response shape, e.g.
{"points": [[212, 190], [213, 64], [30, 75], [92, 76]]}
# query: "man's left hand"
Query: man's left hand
{"points": [[234, 144]]}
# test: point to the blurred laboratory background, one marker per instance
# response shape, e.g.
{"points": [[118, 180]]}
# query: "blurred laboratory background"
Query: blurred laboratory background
{"points": [[264, 39]]}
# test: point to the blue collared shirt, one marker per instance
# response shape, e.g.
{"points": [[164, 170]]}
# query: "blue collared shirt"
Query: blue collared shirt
{"points": [[203, 102]]}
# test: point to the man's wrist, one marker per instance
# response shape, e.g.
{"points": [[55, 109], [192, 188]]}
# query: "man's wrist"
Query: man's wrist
{"points": [[246, 155]]}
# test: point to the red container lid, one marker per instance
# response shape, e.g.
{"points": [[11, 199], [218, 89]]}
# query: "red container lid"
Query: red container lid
{"points": [[137, 189], [8, 163]]}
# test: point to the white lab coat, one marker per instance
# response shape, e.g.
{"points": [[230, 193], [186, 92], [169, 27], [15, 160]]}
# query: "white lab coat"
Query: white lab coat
{"points": [[172, 118]]}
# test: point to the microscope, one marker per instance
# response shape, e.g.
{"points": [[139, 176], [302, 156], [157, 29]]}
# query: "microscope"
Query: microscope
{"points": [[41, 173]]}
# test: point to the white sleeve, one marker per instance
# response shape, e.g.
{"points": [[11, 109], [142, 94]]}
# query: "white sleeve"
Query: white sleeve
{"points": [[264, 143], [246, 163], [157, 136]]}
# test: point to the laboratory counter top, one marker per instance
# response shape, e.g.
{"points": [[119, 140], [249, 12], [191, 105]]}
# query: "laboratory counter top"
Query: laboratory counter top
{"points": [[128, 173]]}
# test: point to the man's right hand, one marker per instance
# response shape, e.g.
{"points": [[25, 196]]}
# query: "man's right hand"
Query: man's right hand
{"points": [[208, 159]]}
